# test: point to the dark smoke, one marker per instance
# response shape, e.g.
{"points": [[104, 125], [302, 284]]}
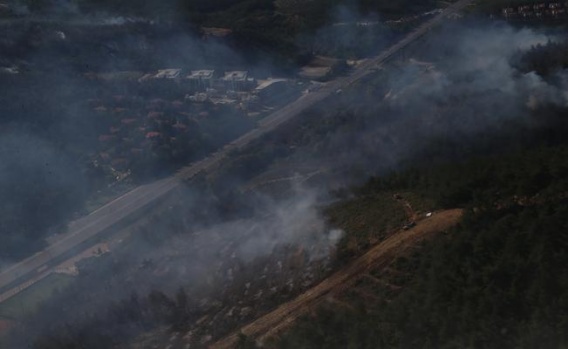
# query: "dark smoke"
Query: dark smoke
{"points": [[459, 87]]}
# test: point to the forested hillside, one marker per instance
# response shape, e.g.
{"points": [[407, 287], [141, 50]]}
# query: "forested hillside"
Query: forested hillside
{"points": [[496, 281]]}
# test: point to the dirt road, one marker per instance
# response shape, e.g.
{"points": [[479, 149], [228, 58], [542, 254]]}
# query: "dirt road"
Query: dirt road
{"points": [[382, 254]]}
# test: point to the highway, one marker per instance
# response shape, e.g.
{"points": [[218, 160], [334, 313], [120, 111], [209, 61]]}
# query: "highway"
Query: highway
{"points": [[134, 202]]}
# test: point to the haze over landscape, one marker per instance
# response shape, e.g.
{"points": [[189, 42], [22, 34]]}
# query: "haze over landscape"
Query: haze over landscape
{"points": [[283, 174]]}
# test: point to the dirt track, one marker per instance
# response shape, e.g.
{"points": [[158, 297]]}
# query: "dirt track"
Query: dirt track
{"points": [[382, 254]]}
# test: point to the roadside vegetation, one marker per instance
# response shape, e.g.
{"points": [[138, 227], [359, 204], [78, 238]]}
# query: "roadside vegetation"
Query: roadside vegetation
{"points": [[28, 301]]}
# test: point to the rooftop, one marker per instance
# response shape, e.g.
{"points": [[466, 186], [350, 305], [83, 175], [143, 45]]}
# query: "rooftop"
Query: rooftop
{"points": [[167, 74], [315, 72], [201, 74], [235, 75], [216, 32], [266, 83]]}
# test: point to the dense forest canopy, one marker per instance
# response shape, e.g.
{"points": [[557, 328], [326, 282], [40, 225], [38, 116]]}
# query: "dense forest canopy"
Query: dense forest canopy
{"points": [[496, 281]]}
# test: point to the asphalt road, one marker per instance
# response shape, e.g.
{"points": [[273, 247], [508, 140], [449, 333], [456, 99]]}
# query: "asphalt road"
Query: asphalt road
{"points": [[85, 229]]}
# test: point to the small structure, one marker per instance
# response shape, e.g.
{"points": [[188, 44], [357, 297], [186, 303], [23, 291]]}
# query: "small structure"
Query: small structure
{"points": [[271, 87], [249, 102], [153, 134], [322, 68], [6, 10], [168, 74], [9, 70], [215, 33], [145, 77], [541, 11], [509, 12], [235, 80], [197, 98], [201, 79]]}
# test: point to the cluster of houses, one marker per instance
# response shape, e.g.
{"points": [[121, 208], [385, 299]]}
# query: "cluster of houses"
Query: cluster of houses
{"points": [[236, 88], [138, 125], [541, 10]]}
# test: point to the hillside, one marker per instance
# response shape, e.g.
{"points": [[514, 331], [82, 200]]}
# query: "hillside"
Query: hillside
{"points": [[496, 281], [380, 255]]}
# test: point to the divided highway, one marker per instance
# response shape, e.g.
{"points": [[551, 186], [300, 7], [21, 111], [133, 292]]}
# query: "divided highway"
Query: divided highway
{"points": [[120, 210]]}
